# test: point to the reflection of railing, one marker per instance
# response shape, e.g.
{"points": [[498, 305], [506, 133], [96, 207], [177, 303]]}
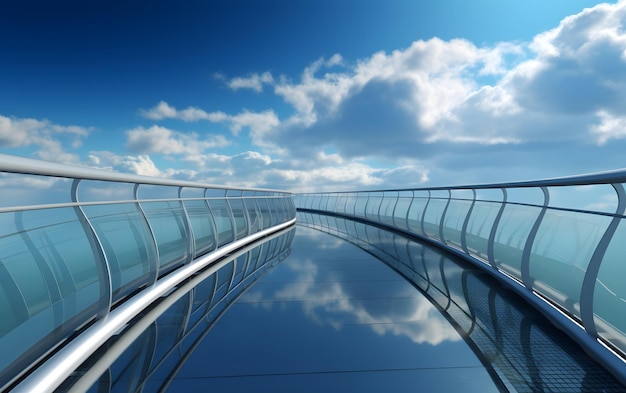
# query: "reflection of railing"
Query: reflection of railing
{"points": [[185, 317], [78, 243], [516, 347], [559, 243]]}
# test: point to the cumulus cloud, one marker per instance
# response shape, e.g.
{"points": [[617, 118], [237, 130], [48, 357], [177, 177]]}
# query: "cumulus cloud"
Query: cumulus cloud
{"points": [[258, 123], [141, 164], [608, 127], [253, 82], [523, 103], [403, 100], [157, 139], [51, 141], [438, 111], [163, 110]]}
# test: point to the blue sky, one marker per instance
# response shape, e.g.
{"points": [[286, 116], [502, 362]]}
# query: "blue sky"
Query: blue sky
{"points": [[310, 95]]}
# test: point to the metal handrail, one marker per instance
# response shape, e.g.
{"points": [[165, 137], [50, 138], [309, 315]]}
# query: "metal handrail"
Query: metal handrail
{"points": [[101, 253], [29, 166], [521, 242]]}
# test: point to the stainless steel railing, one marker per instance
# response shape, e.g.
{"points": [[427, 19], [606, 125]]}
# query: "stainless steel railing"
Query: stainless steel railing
{"points": [[518, 350], [560, 243], [77, 243]]}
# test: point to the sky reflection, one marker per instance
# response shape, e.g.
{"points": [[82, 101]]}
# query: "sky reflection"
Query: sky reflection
{"points": [[351, 287]]}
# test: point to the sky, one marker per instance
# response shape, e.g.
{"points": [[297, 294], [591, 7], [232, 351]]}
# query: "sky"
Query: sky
{"points": [[317, 94]]}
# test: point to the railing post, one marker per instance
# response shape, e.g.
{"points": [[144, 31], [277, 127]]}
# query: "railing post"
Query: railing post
{"points": [[212, 218], [492, 235], [231, 215], [443, 217], [525, 267], [393, 211], [345, 203], [591, 274], [408, 210], [466, 223], [192, 240], [154, 270], [424, 213], [104, 270]]}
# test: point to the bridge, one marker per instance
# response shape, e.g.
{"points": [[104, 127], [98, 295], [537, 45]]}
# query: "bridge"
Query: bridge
{"points": [[86, 255]]}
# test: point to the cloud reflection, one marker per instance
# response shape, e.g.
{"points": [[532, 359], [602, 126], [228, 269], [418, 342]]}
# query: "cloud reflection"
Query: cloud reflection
{"points": [[330, 294]]}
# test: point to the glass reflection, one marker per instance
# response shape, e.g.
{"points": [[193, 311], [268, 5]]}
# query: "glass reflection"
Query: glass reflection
{"points": [[519, 348], [151, 350]]}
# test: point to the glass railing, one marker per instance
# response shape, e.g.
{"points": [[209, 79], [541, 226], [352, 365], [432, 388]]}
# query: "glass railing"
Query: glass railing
{"points": [[76, 244], [521, 351], [148, 354], [560, 243]]}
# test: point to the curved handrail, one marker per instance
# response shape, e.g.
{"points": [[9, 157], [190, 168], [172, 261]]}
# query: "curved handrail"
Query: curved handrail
{"points": [[518, 350], [201, 316], [556, 243], [76, 243], [29, 166]]}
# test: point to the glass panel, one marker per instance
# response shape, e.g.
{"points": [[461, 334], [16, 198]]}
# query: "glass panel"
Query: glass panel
{"points": [[273, 211], [254, 214], [127, 244], [511, 236], [332, 203], [466, 194], [203, 227], [432, 218], [167, 220], [479, 227], [223, 223], [264, 210], [416, 211], [342, 199], [489, 194], [454, 220], [192, 193], [24, 190], [351, 203], [387, 206], [359, 208], [148, 191], [530, 195], [239, 214], [48, 282], [95, 191], [401, 209], [561, 253], [601, 197], [373, 205], [216, 193], [609, 300]]}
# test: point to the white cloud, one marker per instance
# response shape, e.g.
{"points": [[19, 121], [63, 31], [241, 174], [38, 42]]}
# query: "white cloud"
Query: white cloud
{"points": [[163, 110], [254, 82], [438, 101], [161, 140], [259, 123], [437, 110], [136, 164], [609, 127], [49, 139]]}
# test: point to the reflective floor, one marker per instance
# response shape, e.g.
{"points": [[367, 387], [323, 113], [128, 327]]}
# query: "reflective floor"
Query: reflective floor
{"points": [[340, 306]]}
